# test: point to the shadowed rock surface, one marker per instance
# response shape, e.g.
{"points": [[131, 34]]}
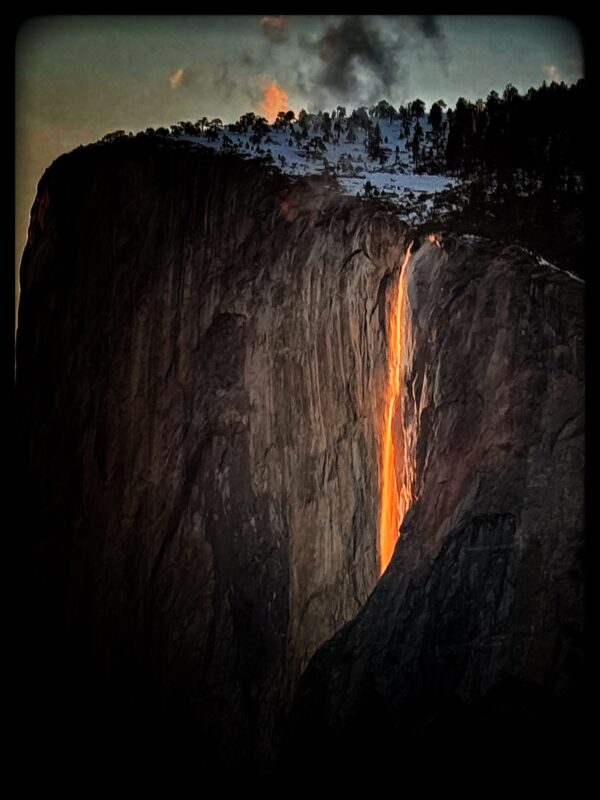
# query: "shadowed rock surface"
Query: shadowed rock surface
{"points": [[201, 355], [472, 641], [200, 348]]}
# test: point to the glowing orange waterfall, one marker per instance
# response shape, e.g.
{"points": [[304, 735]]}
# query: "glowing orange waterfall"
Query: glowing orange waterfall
{"points": [[396, 489]]}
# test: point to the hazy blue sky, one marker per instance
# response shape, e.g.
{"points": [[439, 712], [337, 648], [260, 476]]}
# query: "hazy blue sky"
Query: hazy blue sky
{"points": [[78, 77]]}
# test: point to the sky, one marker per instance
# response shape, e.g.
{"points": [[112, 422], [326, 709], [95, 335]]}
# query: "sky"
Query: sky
{"points": [[79, 77]]}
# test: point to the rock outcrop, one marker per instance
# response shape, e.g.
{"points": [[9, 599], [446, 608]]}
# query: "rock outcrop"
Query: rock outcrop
{"points": [[201, 359]]}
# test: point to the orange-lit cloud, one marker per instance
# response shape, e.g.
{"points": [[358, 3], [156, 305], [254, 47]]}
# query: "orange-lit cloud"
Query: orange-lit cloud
{"points": [[176, 78], [274, 101], [275, 28]]}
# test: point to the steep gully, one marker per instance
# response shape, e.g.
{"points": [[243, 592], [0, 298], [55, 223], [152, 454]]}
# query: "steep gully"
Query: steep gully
{"points": [[227, 399]]}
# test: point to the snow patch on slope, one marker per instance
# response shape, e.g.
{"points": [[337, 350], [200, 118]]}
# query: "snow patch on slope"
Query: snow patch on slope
{"points": [[393, 177]]}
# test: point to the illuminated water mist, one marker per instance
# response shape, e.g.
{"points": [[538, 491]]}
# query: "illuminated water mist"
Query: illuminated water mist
{"points": [[397, 471]]}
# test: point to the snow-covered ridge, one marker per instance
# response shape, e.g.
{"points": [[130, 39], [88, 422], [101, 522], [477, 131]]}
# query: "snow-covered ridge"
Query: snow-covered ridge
{"points": [[379, 158], [404, 156], [543, 262]]}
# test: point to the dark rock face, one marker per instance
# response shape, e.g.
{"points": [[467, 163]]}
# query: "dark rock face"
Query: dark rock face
{"points": [[199, 361], [472, 640], [200, 364]]}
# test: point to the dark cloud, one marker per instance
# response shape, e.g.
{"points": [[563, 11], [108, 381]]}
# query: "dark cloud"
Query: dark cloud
{"points": [[275, 28], [248, 60], [350, 47], [362, 59], [430, 27]]}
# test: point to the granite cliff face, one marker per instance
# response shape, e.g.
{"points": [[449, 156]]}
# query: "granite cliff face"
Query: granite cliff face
{"points": [[472, 642], [201, 360], [200, 349]]}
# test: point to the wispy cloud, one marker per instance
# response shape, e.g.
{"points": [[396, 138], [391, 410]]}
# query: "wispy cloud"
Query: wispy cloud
{"points": [[176, 78], [552, 73]]}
